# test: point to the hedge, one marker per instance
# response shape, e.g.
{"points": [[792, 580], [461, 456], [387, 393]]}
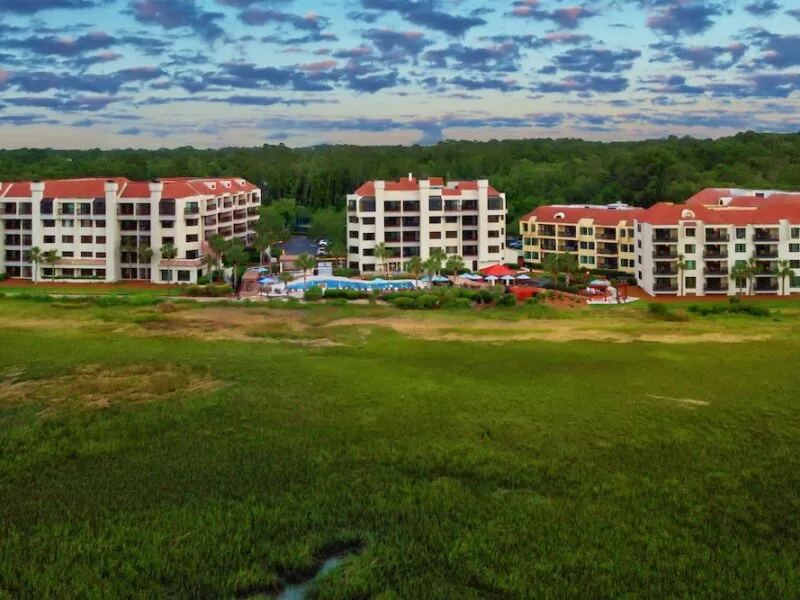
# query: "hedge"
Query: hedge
{"points": [[206, 291], [313, 294]]}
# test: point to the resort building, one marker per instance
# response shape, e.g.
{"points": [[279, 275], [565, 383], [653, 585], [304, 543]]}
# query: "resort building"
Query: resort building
{"points": [[600, 237], [690, 249], [464, 218], [102, 228]]}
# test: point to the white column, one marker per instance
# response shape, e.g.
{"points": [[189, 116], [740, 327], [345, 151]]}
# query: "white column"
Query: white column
{"points": [[380, 195], [37, 193], [483, 223], [156, 189], [424, 218], [113, 267]]}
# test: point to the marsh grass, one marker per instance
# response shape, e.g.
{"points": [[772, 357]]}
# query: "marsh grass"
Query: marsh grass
{"points": [[463, 469]]}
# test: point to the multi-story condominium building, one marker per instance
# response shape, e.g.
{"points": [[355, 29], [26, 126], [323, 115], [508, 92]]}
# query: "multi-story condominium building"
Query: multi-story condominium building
{"points": [[600, 237], [713, 232], [98, 226], [465, 218]]}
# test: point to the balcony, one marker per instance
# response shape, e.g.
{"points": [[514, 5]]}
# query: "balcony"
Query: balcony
{"points": [[451, 205], [716, 271], [469, 205], [665, 288], [712, 254], [225, 218], [123, 211], [568, 247], [665, 271], [547, 231], [607, 249], [607, 234], [191, 209], [10, 209], [715, 288], [211, 206], [567, 232], [351, 206], [548, 245], [209, 221], [713, 236], [391, 207], [767, 253], [665, 237], [764, 285], [665, 255], [611, 264], [410, 206], [765, 236]]}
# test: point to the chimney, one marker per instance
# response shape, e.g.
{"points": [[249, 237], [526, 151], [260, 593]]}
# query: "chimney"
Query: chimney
{"points": [[37, 187], [410, 176]]}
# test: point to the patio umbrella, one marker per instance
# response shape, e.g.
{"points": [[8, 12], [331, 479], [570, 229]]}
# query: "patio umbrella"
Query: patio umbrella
{"points": [[425, 279], [439, 279], [523, 277], [466, 276], [491, 279], [507, 278], [598, 282]]}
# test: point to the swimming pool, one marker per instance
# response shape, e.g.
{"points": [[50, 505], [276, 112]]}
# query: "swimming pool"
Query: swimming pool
{"points": [[344, 283]]}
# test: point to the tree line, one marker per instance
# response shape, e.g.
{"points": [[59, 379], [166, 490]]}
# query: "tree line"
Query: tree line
{"points": [[532, 172]]}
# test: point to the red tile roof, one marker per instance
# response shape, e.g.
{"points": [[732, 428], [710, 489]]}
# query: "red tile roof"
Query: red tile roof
{"points": [[404, 185], [666, 214], [450, 192], [408, 185], [437, 181], [573, 214], [708, 196], [367, 189], [136, 189]]}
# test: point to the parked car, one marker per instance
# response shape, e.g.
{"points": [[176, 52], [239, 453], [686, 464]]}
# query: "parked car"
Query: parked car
{"points": [[516, 245]]}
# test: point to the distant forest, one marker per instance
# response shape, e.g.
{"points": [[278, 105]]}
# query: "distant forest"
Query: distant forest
{"points": [[531, 172]]}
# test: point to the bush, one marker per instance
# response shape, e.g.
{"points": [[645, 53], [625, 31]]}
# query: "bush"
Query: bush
{"points": [[461, 303], [341, 272], [313, 294], [3, 276], [427, 301], [204, 280], [337, 301], [206, 291], [507, 300], [735, 300], [657, 309], [403, 303], [532, 300]]}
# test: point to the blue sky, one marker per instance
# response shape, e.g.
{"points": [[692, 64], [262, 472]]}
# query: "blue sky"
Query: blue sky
{"points": [[212, 73]]}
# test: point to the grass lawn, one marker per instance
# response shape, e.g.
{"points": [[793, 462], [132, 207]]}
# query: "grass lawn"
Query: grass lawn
{"points": [[99, 289], [220, 452]]}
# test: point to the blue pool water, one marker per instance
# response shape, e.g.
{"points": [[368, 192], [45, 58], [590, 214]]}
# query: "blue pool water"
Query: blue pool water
{"points": [[343, 283]]}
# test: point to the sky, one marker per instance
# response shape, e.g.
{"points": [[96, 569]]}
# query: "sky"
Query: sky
{"points": [[216, 73]]}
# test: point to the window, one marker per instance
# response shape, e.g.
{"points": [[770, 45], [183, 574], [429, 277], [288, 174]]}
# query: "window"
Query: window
{"points": [[184, 276], [740, 247], [353, 234], [795, 232], [591, 260], [352, 219], [166, 275], [86, 254], [639, 260], [494, 233], [68, 254], [794, 247], [691, 265], [451, 250], [587, 231], [495, 203], [86, 239], [794, 264], [100, 224], [434, 220], [435, 203], [795, 281], [690, 248], [623, 262], [689, 232], [352, 249], [167, 224], [67, 239], [741, 233], [494, 218], [367, 252], [584, 259], [100, 255], [691, 283], [451, 219], [164, 241], [48, 223], [368, 237], [524, 227], [436, 235], [368, 221], [68, 223], [49, 239], [639, 229], [741, 263], [638, 243], [451, 235], [369, 268], [100, 273], [494, 249], [191, 238], [639, 274], [630, 233], [85, 223], [191, 223]]}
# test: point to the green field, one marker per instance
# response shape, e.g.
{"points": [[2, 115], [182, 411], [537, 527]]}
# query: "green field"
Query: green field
{"points": [[213, 452], [84, 290]]}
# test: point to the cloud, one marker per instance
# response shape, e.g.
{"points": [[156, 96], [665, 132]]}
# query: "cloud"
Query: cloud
{"points": [[178, 14], [30, 7], [404, 42], [795, 12], [68, 105], [62, 46], [584, 83], [600, 60], [500, 85], [703, 57], [425, 15], [762, 8], [501, 57], [566, 18], [780, 51], [35, 82], [688, 17]]}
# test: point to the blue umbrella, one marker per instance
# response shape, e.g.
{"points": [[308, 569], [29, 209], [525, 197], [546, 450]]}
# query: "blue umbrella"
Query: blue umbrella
{"points": [[439, 279]]}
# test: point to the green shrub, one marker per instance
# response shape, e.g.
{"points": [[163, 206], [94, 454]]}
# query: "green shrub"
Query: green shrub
{"points": [[532, 300], [341, 272], [354, 294], [204, 280], [657, 309], [3, 276], [206, 291], [461, 303], [507, 300], [403, 303], [427, 301], [337, 301], [735, 300], [313, 294]]}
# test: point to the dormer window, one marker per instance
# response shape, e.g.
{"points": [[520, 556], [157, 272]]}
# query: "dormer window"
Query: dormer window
{"points": [[687, 214], [559, 215]]}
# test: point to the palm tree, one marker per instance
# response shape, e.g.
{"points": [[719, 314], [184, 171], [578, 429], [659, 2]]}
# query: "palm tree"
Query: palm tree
{"points": [[127, 249], [237, 256], [286, 277], [416, 267], [35, 256], [218, 245], [382, 253], [569, 264], [169, 252], [51, 259], [455, 264], [552, 264], [430, 266], [262, 243], [438, 256], [784, 271], [739, 276], [210, 261], [306, 262], [144, 254], [752, 268], [680, 264]]}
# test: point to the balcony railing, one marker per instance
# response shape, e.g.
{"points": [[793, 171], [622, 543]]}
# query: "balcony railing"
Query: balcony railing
{"points": [[547, 231], [714, 255], [765, 236], [607, 250], [771, 287], [568, 232], [766, 254], [665, 288], [607, 236], [710, 289], [665, 255], [719, 236], [717, 272], [665, 238], [191, 210], [662, 272]]}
